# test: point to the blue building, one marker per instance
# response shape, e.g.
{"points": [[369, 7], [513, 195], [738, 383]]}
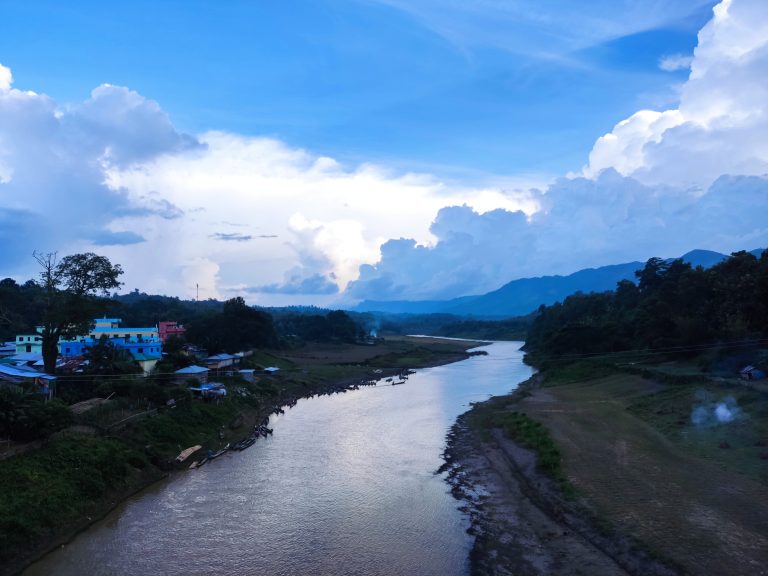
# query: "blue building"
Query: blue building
{"points": [[144, 344]]}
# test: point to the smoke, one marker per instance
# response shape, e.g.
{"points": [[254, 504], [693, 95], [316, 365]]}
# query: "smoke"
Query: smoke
{"points": [[712, 413]]}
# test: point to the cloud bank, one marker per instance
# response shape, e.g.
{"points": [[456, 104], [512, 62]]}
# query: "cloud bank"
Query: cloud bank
{"points": [[228, 214], [659, 184]]}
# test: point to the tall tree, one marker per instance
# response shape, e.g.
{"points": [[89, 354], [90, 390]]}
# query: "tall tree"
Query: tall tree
{"points": [[71, 289]]}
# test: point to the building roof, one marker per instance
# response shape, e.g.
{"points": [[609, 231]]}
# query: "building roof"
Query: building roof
{"points": [[192, 370], [27, 357], [124, 329], [221, 357], [145, 357], [21, 372]]}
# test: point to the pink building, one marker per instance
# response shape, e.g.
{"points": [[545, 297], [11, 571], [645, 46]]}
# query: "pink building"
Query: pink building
{"points": [[168, 329]]}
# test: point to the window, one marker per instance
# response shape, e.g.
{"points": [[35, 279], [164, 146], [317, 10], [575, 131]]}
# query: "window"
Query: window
{"points": [[141, 350]]}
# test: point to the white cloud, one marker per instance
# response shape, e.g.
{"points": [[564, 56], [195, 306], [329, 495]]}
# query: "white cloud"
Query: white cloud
{"points": [[112, 174], [720, 124], [584, 223], [6, 78], [674, 62]]}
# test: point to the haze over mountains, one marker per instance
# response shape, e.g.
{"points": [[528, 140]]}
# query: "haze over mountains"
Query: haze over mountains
{"points": [[523, 296]]}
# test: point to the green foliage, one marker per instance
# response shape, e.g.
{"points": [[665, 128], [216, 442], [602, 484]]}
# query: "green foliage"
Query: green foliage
{"points": [[674, 307], [26, 417], [106, 358], [52, 487], [512, 329], [70, 291], [526, 432], [238, 327], [535, 436], [335, 326]]}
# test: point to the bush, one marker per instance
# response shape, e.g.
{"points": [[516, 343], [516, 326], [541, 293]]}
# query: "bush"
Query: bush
{"points": [[26, 417]]}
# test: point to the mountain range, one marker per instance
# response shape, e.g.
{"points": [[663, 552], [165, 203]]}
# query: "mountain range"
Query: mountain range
{"points": [[523, 296]]}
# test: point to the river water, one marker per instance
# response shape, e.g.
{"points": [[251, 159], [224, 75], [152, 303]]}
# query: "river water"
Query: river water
{"points": [[346, 485]]}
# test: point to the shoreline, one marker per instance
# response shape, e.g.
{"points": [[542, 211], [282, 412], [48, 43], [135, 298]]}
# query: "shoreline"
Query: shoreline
{"points": [[148, 478], [522, 522]]}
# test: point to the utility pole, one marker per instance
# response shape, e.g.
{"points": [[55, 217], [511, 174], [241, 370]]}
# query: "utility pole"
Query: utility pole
{"points": [[197, 295]]}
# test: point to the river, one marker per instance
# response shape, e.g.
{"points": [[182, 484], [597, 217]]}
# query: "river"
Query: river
{"points": [[346, 485]]}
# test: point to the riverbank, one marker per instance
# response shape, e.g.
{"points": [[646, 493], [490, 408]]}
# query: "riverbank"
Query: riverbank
{"points": [[142, 453], [639, 498], [525, 521]]}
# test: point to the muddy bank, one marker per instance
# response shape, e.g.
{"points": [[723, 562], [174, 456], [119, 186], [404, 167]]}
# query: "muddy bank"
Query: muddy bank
{"points": [[522, 522]]}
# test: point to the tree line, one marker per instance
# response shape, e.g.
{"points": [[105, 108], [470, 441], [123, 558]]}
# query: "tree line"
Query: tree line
{"points": [[671, 306], [70, 292]]}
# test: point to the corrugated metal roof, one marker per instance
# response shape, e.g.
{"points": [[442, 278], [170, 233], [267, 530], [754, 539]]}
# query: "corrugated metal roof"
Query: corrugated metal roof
{"points": [[192, 370], [20, 372]]}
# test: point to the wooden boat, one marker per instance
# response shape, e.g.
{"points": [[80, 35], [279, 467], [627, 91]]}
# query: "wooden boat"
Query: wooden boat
{"points": [[187, 453]]}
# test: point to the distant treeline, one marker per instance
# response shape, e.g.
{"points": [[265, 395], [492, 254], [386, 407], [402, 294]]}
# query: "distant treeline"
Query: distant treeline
{"points": [[216, 326], [672, 307]]}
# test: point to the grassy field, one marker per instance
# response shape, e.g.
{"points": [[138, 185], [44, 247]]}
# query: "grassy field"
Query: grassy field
{"points": [[692, 492]]}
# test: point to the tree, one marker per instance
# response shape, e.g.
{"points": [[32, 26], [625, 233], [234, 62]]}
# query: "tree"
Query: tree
{"points": [[106, 358], [238, 327], [71, 289]]}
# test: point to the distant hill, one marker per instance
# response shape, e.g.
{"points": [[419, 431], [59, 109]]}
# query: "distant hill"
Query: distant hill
{"points": [[520, 297]]}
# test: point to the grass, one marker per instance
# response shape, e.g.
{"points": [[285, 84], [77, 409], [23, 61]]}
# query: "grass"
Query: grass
{"points": [[47, 490], [526, 432], [686, 415]]}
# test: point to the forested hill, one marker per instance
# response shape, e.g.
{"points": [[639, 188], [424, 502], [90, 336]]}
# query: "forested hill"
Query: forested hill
{"points": [[671, 305], [523, 296]]}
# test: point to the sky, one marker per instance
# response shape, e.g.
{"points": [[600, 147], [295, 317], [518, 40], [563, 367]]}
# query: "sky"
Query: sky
{"points": [[329, 151]]}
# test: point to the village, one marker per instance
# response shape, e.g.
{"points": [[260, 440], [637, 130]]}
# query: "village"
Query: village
{"points": [[21, 361]]}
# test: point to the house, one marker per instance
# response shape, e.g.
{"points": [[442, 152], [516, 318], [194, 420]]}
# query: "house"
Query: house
{"points": [[219, 361], [40, 382], [198, 372], [29, 343], [144, 344], [751, 373], [168, 329], [247, 374]]}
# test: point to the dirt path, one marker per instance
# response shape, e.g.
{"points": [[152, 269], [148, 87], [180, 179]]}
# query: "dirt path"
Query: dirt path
{"points": [[702, 516]]}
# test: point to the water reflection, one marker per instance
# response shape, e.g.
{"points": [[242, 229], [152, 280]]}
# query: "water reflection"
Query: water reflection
{"points": [[345, 486]]}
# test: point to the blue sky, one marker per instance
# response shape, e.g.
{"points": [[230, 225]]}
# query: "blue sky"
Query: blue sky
{"points": [[361, 80], [330, 151]]}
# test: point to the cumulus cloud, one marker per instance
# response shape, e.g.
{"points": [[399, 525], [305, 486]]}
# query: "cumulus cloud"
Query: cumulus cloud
{"points": [[53, 163], [720, 124], [332, 218], [583, 223]]}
